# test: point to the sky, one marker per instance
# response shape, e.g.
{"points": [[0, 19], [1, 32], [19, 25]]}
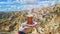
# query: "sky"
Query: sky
{"points": [[17, 5]]}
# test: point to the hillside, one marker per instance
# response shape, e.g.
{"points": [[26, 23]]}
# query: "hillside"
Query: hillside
{"points": [[46, 17]]}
